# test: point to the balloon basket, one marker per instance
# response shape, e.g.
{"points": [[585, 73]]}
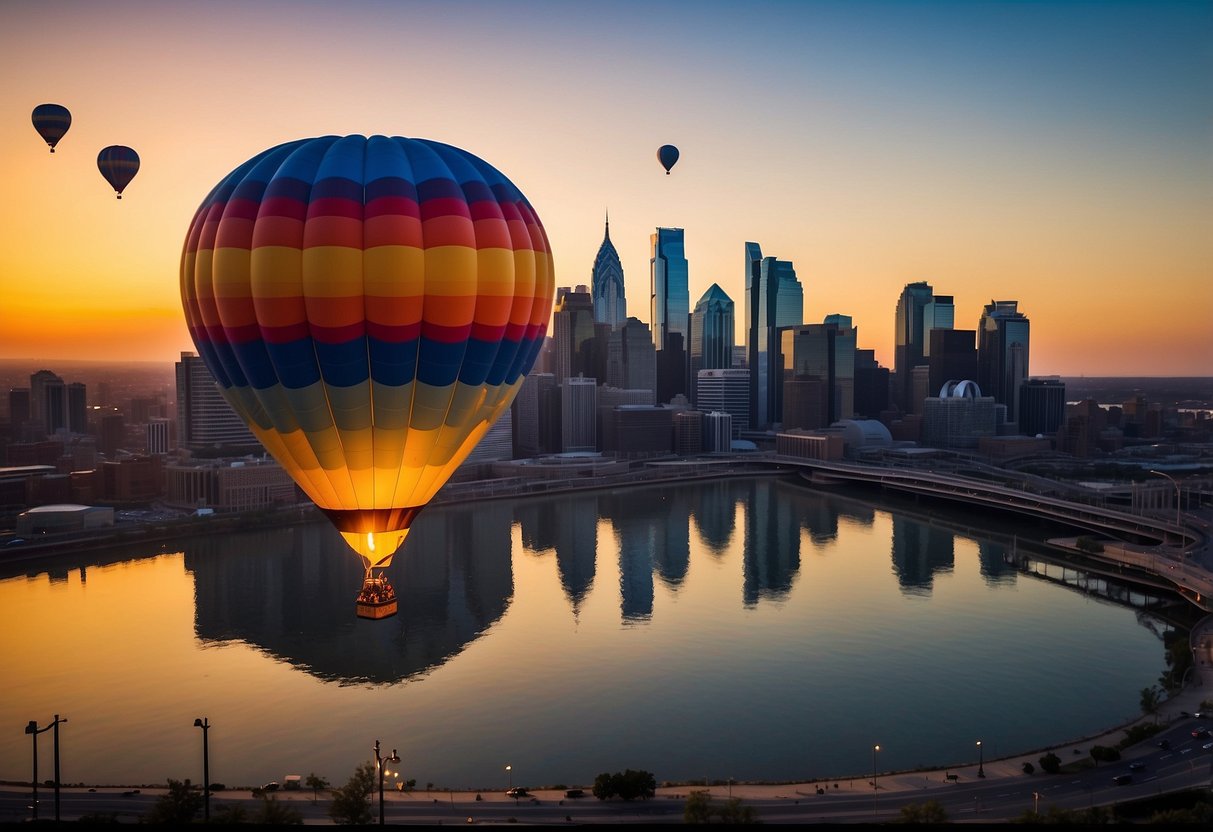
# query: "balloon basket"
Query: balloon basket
{"points": [[377, 599]]}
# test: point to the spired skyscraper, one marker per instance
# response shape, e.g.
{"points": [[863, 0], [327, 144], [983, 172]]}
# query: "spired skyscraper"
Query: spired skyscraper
{"points": [[670, 306], [774, 298], [606, 284], [1002, 352], [712, 333]]}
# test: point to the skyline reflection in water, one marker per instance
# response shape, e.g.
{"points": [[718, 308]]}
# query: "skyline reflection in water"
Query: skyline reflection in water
{"points": [[752, 629]]}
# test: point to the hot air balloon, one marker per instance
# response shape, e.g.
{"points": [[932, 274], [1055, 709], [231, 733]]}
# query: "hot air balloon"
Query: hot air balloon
{"points": [[667, 154], [369, 306], [118, 164], [51, 121]]}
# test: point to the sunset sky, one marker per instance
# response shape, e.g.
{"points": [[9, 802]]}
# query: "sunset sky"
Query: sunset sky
{"points": [[1055, 153]]}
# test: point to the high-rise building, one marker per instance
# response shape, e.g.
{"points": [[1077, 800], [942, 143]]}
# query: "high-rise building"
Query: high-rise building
{"points": [[111, 433], [497, 444], [1002, 352], [712, 333], [48, 402], [18, 412], [610, 306], [578, 414], [573, 325], [820, 360], [871, 385], [959, 416], [688, 432], [952, 357], [919, 311], [157, 436], [670, 307], [725, 391], [526, 420], [204, 418], [77, 408], [1042, 406], [774, 299], [631, 358], [717, 432]]}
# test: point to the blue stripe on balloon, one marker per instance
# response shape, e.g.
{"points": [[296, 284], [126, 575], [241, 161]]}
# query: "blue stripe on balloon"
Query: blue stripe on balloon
{"points": [[439, 363], [256, 364], [344, 364], [295, 362], [477, 361], [392, 364]]}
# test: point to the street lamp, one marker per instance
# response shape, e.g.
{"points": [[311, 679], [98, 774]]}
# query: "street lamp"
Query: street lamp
{"points": [[1178, 494], [33, 730], [379, 761], [205, 725], [875, 749], [981, 771]]}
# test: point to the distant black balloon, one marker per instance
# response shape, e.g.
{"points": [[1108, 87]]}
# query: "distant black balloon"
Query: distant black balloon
{"points": [[118, 164], [667, 154], [51, 121]]}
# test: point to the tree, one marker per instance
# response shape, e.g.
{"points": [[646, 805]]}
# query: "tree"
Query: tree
{"points": [[180, 804], [1028, 768], [274, 813], [1150, 699], [931, 812], [1050, 763], [628, 785], [698, 807], [1104, 754], [352, 802], [733, 812], [316, 783]]}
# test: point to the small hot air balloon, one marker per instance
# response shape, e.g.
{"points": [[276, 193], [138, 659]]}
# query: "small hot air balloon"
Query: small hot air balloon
{"points": [[667, 154], [51, 121], [118, 164], [369, 306]]}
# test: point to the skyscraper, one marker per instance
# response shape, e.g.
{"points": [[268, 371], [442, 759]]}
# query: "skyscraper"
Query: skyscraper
{"points": [[578, 414], [573, 329], [77, 408], [952, 357], [631, 358], [774, 298], [670, 307], [825, 354], [1002, 352], [712, 332], [204, 418], [606, 282], [47, 405], [919, 311], [1042, 406], [726, 391]]}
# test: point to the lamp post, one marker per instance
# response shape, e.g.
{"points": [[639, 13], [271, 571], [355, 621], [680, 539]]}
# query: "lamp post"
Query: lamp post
{"points": [[1178, 495], [33, 730], [981, 771], [379, 761], [509, 769], [875, 794], [205, 725]]}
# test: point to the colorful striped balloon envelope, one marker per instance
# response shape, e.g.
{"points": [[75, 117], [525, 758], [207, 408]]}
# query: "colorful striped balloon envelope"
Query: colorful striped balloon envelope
{"points": [[369, 306]]}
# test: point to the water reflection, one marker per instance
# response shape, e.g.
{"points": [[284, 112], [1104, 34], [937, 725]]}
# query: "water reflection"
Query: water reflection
{"points": [[715, 514], [285, 591], [772, 543]]}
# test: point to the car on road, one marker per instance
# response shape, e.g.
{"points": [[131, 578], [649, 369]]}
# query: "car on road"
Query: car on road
{"points": [[1164, 744], [517, 791], [1200, 733], [1207, 746], [1123, 779], [271, 786], [1136, 765]]}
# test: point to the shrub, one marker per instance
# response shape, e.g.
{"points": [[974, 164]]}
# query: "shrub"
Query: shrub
{"points": [[1050, 763]]}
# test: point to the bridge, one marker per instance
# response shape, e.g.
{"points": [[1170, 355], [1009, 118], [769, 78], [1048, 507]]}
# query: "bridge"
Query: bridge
{"points": [[1171, 552]]}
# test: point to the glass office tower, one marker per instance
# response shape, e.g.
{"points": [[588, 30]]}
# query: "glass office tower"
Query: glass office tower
{"points": [[774, 298], [670, 307], [1002, 352], [712, 332]]}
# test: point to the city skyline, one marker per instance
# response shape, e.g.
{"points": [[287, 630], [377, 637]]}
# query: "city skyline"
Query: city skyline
{"points": [[1055, 154]]}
